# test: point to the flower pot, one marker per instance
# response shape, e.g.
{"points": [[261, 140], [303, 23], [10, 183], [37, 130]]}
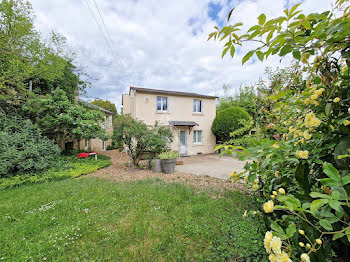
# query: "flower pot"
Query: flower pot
{"points": [[158, 166], [169, 165]]}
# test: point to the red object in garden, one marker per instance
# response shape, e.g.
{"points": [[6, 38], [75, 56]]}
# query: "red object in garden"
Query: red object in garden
{"points": [[86, 155]]}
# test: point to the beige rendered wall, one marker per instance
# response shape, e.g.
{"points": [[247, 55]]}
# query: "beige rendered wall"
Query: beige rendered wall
{"points": [[95, 144], [179, 109]]}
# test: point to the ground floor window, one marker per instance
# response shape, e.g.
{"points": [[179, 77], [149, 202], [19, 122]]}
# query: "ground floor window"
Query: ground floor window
{"points": [[103, 145], [198, 137]]}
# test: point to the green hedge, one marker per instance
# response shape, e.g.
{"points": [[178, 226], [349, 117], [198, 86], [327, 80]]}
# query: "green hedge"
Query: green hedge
{"points": [[23, 147], [228, 121]]}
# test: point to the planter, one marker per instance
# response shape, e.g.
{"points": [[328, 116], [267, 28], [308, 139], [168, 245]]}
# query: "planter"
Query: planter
{"points": [[158, 166], [169, 165]]}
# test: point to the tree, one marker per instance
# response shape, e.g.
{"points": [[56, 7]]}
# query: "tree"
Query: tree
{"points": [[303, 176], [26, 58], [227, 121], [105, 104], [245, 97], [62, 120], [139, 138]]}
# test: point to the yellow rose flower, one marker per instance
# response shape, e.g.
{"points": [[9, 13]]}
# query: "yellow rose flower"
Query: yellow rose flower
{"points": [[267, 241], [272, 258], [307, 134], [276, 244], [272, 196], [282, 191], [346, 122], [302, 154], [301, 244], [268, 206], [277, 173], [307, 101], [255, 187], [283, 257], [332, 127], [336, 100], [274, 193], [308, 246], [301, 232], [291, 129], [319, 241], [311, 120], [305, 257], [233, 174], [314, 97], [275, 145]]}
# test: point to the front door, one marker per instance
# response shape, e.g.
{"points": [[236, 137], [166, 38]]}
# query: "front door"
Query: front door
{"points": [[182, 142]]}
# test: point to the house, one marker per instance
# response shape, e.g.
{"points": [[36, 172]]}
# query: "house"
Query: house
{"points": [[189, 115], [95, 144]]}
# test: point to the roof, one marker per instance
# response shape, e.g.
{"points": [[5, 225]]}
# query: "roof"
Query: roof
{"points": [[159, 91], [92, 106], [183, 123]]}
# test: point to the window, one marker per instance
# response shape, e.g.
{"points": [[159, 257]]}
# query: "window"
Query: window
{"points": [[162, 103], [198, 137], [103, 146], [197, 106], [86, 144]]}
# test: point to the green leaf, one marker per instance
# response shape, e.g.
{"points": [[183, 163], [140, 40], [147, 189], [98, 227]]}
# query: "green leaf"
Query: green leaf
{"points": [[329, 108], [306, 24], [229, 14], [260, 55], [285, 50], [247, 56], [316, 204], [319, 195], [335, 195], [331, 171], [232, 51], [337, 236], [291, 229], [336, 205], [296, 54], [277, 228], [329, 182], [225, 51], [345, 180], [262, 19], [326, 224]]}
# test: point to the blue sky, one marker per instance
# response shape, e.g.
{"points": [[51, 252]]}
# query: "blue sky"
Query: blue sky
{"points": [[163, 44]]}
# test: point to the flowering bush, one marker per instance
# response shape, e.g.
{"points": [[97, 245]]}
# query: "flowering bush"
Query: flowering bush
{"points": [[303, 175]]}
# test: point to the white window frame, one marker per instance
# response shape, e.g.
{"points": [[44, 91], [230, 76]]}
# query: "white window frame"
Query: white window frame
{"points": [[86, 144], [162, 99], [195, 137], [197, 106]]}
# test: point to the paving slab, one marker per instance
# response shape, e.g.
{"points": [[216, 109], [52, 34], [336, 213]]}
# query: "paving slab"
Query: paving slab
{"points": [[211, 165]]}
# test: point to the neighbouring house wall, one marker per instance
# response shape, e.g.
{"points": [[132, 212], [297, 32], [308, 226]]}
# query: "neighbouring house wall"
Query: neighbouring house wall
{"points": [[126, 104], [95, 144], [180, 108]]}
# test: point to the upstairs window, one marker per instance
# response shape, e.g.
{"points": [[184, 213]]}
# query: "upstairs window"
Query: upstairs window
{"points": [[197, 106], [162, 104], [107, 122], [198, 137]]}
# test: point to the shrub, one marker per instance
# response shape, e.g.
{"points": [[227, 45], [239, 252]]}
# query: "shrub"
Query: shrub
{"points": [[228, 121], [303, 176], [169, 155], [23, 148]]}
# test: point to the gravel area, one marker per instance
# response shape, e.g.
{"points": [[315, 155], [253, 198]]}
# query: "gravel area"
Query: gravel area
{"points": [[120, 171]]}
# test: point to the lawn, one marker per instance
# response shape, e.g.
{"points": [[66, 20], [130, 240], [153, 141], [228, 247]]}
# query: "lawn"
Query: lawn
{"points": [[93, 219]]}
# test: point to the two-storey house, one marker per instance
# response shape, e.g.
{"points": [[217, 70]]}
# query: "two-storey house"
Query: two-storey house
{"points": [[189, 115]]}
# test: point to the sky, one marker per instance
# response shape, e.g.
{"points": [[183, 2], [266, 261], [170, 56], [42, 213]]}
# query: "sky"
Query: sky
{"points": [[162, 44]]}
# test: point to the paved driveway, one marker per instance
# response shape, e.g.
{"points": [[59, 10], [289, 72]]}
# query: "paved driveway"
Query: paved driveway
{"points": [[211, 165]]}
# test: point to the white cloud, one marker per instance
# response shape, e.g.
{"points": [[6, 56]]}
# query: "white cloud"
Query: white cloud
{"points": [[163, 43]]}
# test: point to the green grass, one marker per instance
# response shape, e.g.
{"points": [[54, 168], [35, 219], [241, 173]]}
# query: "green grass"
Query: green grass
{"points": [[91, 219], [66, 167]]}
